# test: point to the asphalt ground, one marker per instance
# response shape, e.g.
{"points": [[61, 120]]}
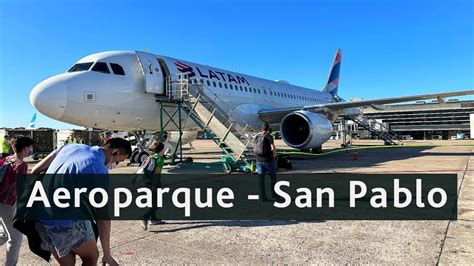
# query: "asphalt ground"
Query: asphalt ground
{"points": [[317, 242]]}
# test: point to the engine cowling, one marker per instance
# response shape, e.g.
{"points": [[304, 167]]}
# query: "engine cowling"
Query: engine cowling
{"points": [[305, 130]]}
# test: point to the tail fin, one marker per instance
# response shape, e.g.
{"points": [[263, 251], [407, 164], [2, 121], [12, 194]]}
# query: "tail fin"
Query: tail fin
{"points": [[332, 83], [32, 124]]}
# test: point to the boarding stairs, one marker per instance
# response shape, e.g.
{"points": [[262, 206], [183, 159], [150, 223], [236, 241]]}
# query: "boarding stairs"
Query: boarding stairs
{"points": [[378, 129], [204, 107]]}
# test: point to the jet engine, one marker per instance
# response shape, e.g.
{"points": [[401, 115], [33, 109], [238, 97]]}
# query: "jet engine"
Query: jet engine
{"points": [[305, 130]]}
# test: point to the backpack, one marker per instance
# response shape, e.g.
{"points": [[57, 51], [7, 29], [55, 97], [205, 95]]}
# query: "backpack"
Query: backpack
{"points": [[262, 146], [7, 179], [4, 168], [147, 167]]}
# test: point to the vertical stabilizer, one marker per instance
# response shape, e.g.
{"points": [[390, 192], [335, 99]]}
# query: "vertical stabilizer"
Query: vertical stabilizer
{"points": [[32, 124], [332, 83]]}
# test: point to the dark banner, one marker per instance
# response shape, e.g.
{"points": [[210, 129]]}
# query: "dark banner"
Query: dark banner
{"points": [[238, 197]]}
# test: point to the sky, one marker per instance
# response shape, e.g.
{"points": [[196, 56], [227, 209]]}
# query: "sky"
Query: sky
{"points": [[389, 48]]}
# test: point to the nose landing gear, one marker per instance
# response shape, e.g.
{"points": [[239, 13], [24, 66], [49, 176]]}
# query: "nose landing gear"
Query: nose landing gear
{"points": [[140, 153]]}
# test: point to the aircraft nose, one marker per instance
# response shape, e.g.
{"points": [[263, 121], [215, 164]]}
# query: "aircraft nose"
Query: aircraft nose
{"points": [[50, 98]]}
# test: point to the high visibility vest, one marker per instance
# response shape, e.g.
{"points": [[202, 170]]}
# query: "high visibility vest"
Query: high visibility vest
{"points": [[5, 146]]}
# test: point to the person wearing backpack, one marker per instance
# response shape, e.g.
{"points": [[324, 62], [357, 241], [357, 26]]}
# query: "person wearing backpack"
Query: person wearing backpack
{"points": [[264, 149], [151, 172], [11, 166]]}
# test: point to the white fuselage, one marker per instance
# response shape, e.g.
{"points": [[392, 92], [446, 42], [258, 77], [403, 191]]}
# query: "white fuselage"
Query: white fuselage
{"points": [[120, 102]]}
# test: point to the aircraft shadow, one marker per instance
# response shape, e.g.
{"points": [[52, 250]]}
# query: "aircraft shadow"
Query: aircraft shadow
{"points": [[201, 224], [366, 158]]}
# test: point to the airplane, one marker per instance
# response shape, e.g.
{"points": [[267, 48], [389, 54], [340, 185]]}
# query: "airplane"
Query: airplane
{"points": [[32, 124], [118, 90]]}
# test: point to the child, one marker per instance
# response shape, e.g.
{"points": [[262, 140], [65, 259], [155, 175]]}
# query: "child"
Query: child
{"points": [[151, 170]]}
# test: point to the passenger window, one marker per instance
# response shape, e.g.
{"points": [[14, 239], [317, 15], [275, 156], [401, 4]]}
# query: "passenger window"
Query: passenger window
{"points": [[208, 83], [220, 85], [225, 85], [80, 67], [202, 82], [264, 91], [231, 87], [258, 91], [214, 83], [101, 67], [117, 69], [245, 88]]}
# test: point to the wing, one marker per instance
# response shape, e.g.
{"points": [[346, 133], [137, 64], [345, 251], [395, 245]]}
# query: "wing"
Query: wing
{"points": [[277, 114]]}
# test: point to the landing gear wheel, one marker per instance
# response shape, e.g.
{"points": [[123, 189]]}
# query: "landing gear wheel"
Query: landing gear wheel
{"points": [[133, 158], [141, 157], [189, 160], [228, 168], [317, 150]]}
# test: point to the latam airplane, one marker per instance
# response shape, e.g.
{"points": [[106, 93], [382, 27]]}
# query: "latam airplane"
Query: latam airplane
{"points": [[117, 90]]}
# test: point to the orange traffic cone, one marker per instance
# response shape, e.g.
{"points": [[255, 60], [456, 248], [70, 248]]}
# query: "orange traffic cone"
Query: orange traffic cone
{"points": [[355, 156]]}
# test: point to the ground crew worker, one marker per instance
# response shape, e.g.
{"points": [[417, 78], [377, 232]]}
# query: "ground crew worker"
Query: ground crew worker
{"points": [[71, 139], [5, 146]]}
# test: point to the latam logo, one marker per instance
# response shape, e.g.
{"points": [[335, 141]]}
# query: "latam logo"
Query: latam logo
{"points": [[221, 76], [183, 68]]}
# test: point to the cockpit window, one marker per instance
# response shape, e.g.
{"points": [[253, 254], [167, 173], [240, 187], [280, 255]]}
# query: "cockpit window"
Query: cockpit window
{"points": [[80, 67], [117, 69], [101, 67]]}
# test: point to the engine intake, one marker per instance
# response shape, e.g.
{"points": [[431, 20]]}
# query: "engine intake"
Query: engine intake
{"points": [[305, 130]]}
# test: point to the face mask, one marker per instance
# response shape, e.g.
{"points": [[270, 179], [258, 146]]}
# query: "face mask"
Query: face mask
{"points": [[112, 164]]}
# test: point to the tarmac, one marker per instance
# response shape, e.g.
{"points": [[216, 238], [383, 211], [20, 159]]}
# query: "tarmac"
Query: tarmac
{"points": [[317, 242]]}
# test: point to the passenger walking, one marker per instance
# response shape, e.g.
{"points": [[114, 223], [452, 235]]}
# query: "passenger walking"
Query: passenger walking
{"points": [[11, 167], [264, 149], [68, 238], [151, 173]]}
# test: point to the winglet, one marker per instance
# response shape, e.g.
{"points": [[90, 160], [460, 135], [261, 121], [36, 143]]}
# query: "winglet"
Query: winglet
{"points": [[332, 83]]}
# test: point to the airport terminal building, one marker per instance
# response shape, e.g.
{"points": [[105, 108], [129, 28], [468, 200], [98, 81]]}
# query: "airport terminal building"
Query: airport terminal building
{"points": [[426, 119]]}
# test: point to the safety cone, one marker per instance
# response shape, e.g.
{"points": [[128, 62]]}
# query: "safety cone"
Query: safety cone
{"points": [[355, 156]]}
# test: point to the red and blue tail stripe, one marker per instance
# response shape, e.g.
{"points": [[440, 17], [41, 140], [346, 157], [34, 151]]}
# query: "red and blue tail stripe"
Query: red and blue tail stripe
{"points": [[332, 84]]}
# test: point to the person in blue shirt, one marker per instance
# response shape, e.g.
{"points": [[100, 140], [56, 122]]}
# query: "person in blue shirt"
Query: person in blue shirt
{"points": [[68, 238]]}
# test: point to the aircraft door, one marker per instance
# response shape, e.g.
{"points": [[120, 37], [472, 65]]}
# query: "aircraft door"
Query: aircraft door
{"points": [[153, 77]]}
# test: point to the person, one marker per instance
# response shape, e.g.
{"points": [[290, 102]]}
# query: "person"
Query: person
{"points": [[108, 135], [21, 147], [68, 238], [151, 170], [71, 139], [5, 146], [264, 149]]}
